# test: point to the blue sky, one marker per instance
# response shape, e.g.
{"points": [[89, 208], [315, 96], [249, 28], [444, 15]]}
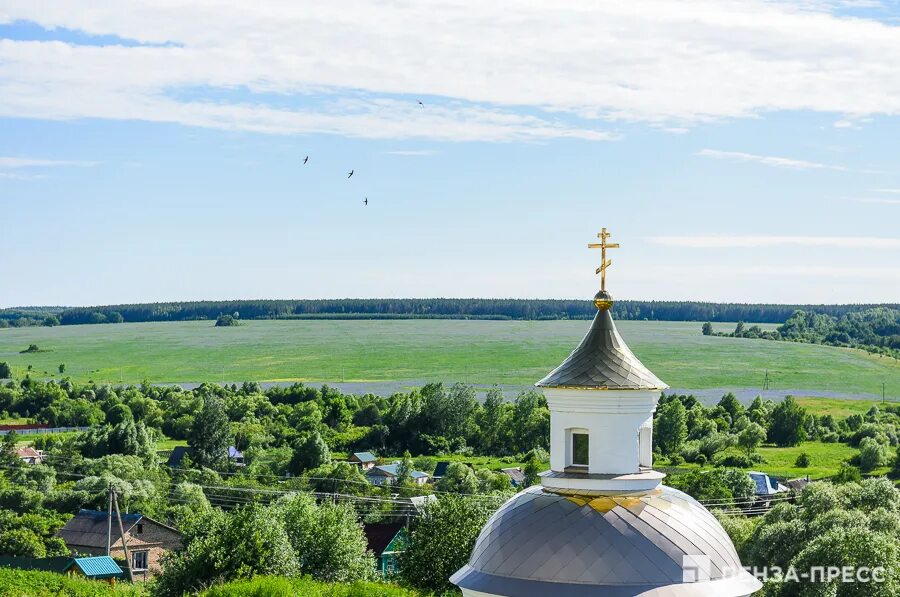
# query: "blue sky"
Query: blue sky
{"points": [[739, 151]]}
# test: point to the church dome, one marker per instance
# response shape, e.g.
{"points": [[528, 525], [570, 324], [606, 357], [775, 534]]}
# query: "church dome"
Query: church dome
{"points": [[602, 361], [652, 544]]}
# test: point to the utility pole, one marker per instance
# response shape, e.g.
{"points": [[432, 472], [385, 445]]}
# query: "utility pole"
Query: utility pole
{"points": [[109, 495], [766, 381], [122, 534]]}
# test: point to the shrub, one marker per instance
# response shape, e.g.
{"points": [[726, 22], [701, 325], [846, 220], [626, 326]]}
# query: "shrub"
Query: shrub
{"points": [[279, 586], [802, 460], [736, 461], [49, 584]]}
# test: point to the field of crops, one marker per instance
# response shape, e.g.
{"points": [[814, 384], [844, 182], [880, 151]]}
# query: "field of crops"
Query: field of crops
{"points": [[478, 352]]}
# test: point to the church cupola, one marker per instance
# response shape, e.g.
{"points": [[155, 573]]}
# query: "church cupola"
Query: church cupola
{"points": [[601, 400]]}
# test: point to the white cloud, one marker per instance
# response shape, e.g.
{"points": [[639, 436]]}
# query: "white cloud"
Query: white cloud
{"points": [[768, 160], [813, 271], [671, 63], [744, 241], [17, 162], [890, 191], [410, 152], [882, 200]]}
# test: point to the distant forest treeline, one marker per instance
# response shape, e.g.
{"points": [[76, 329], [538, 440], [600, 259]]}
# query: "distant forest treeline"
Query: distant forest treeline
{"points": [[438, 308]]}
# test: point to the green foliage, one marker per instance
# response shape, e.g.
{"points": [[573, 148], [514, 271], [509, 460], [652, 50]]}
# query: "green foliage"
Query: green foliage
{"points": [[751, 438], [210, 434], [441, 540], [276, 586], [5, 370], [872, 454], [52, 584], [327, 538], [716, 485], [226, 321], [802, 461], [849, 525], [788, 418], [309, 453], [707, 329], [670, 427], [459, 478], [246, 542]]}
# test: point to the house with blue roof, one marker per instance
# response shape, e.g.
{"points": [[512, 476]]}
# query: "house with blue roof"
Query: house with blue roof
{"points": [[364, 460], [766, 485], [89, 532], [386, 474], [94, 567]]}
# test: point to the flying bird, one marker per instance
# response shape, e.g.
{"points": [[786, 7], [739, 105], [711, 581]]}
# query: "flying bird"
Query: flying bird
{"points": [[351, 174], [366, 202], [306, 159]]}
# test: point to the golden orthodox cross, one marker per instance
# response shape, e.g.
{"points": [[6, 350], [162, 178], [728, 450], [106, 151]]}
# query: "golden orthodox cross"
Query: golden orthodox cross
{"points": [[604, 262]]}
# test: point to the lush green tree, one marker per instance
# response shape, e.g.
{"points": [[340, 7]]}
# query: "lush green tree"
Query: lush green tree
{"points": [[119, 413], [327, 538], [787, 428], [5, 370], [459, 478], [751, 438], [533, 467], [872, 454], [670, 427], [337, 477], [210, 434], [225, 321], [707, 329], [802, 461], [309, 453], [441, 540], [246, 542]]}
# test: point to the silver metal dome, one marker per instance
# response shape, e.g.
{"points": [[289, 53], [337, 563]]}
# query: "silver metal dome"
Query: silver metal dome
{"points": [[541, 543], [602, 361]]}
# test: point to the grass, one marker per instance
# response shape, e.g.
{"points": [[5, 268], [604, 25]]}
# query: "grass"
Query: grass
{"points": [[478, 352], [825, 460], [278, 586], [22, 583], [836, 407], [169, 443]]}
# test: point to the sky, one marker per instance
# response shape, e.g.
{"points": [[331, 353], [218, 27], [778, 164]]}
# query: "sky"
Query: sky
{"points": [[738, 151]]}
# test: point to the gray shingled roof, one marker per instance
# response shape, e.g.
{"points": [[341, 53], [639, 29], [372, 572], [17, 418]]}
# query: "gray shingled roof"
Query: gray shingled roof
{"points": [[602, 361], [540, 543]]}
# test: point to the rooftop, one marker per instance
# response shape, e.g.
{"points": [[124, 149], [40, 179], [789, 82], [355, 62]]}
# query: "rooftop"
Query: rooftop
{"points": [[602, 361]]}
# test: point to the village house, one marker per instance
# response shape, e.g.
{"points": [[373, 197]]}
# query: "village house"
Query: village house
{"points": [[147, 539], [385, 541], [29, 455], [364, 460], [386, 474], [176, 457]]}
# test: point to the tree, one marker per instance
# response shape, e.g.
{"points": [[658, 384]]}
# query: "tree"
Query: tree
{"points": [[459, 478], [533, 467], [787, 428], [671, 427], [751, 438], [404, 470], [707, 329], [872, 454], [441, 540], [225, 321], [802, 461], [246, 542], [327, 538], [5, 370], [210, 434], [310, 452]]}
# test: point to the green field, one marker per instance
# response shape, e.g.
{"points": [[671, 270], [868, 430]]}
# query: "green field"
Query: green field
{"points": [[478, 352]]}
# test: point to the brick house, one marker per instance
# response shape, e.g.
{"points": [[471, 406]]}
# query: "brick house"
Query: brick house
{"points": [[148, 540]]}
